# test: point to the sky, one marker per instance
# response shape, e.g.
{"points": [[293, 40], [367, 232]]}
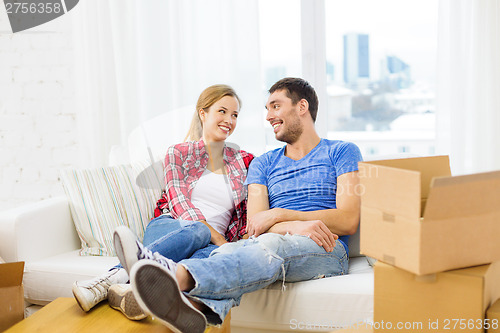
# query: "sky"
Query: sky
{"points": [[403, 28]]}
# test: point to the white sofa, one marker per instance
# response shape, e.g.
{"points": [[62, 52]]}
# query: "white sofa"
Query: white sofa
{"points": [[43, 235]]}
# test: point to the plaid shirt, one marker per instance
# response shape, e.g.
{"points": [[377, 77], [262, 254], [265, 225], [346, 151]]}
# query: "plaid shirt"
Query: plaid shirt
{"points": [[184, 165]]}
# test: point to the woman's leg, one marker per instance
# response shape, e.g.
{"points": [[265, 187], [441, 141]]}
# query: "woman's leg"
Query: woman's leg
{"points": [[204, 252], [159, 227], [176, 239], [88, 293]]}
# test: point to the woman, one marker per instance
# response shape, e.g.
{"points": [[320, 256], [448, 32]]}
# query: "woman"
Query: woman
{"points": [[203, 205]]}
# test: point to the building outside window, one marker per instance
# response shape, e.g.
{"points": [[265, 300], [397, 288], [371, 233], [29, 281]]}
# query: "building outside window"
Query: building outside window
{"points": [[379, 73], [384, 60]]}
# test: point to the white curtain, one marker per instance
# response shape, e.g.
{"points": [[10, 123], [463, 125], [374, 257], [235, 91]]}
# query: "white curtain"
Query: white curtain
{"points": [[468, 117], [96, 83], [139, 59]]}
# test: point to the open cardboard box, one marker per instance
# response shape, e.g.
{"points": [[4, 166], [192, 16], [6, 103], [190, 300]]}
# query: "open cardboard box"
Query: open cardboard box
{"points": [[451, 301], [493, 315], [11, 294], [415, 216]]}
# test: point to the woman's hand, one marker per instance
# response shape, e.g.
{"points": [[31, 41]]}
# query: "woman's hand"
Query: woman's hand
{"points": [[215, 237], [218, 240]]}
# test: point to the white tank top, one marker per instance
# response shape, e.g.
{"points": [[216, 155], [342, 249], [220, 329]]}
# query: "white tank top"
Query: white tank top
{"points": [[213, 196]]}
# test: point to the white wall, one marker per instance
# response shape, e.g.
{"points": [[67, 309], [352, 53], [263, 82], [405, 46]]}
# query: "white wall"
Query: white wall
{"points": [[37, 120]]}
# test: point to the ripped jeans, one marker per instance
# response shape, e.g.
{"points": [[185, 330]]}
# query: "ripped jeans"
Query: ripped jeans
{"points": [[178, 239], [248, 265]]}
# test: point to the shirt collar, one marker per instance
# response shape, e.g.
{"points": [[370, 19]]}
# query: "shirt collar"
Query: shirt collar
{"points": [[227, 154]]}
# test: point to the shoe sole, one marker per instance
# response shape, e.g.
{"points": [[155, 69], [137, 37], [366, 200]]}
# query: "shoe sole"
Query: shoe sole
{"points": [[80, 299], [157, 292], [127, 256], [125, 302]]}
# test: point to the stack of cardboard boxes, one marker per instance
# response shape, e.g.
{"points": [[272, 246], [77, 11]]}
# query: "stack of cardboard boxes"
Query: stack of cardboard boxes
{"points": [[436, 238]]}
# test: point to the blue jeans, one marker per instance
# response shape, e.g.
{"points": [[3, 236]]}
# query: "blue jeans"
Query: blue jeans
{"points": [[178, 239], [248, 265]]}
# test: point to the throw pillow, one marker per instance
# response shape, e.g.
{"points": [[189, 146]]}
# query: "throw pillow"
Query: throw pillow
{"points": [[104, 198]]}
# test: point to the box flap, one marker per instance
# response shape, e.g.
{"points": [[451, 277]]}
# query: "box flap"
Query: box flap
{"points": [[461, 196], [429, 167], [390, 190], [11, 274], [494, 310]]}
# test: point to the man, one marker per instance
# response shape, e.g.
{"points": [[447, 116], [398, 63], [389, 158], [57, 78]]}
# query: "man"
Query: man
{"points": [[301, 198]]}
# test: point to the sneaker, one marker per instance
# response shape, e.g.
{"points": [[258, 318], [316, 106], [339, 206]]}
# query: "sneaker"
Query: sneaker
{"points": [[89, 293], [129, 250], [126, 247], [157, 292], [121, 298]]}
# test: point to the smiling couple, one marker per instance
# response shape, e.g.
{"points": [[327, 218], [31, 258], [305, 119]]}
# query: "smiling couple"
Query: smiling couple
{"points": [[228, 224]]}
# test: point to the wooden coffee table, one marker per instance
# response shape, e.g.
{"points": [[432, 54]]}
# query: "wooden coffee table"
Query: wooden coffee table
{"points": [[64, 315]]}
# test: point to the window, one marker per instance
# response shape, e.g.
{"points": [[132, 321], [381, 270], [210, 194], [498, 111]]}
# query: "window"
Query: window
{"points": [[404, 149], [379, 68], [381, 56], [281, 53], [372, 151]]}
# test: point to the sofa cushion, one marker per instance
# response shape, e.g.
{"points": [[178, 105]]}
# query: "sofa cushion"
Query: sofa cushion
{"points": [[47, 279], [316, 305], [353, 244], [104, 198]]}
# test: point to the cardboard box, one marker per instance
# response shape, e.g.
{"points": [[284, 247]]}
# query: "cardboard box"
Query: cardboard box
{"points": [[452, 301], [415, 216], [493, 315], [11, 294]]}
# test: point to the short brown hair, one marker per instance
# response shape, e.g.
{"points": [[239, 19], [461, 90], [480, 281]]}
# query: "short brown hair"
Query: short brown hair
{"points": [[297, 89]]}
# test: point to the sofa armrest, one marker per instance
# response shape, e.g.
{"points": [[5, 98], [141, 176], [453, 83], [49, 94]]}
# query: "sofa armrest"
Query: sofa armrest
{"points": [[37, 231]]}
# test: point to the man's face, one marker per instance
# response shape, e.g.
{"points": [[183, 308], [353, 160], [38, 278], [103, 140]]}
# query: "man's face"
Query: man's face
{"points": [[283, 117]]}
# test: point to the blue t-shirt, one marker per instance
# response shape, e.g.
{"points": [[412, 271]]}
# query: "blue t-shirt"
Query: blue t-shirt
{"points": [[309, 183]]}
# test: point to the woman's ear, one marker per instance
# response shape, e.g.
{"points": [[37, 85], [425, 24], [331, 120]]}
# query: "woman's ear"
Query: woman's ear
{"points": [[201, 113]]}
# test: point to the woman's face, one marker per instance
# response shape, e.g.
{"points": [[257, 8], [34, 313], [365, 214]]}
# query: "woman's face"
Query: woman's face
{"points": [[219, 121]]}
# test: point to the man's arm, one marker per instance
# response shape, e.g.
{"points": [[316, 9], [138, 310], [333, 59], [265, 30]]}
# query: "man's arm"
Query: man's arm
{"points": [[258, 208], [343, 220], [258, 200]]}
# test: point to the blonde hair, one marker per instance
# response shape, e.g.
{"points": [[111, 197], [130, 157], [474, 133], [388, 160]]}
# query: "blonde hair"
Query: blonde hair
{"points": [[207, 98]]}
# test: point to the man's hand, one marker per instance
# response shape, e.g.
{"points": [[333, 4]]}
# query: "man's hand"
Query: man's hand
{"points": [[314, 229], [260, 222]]}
